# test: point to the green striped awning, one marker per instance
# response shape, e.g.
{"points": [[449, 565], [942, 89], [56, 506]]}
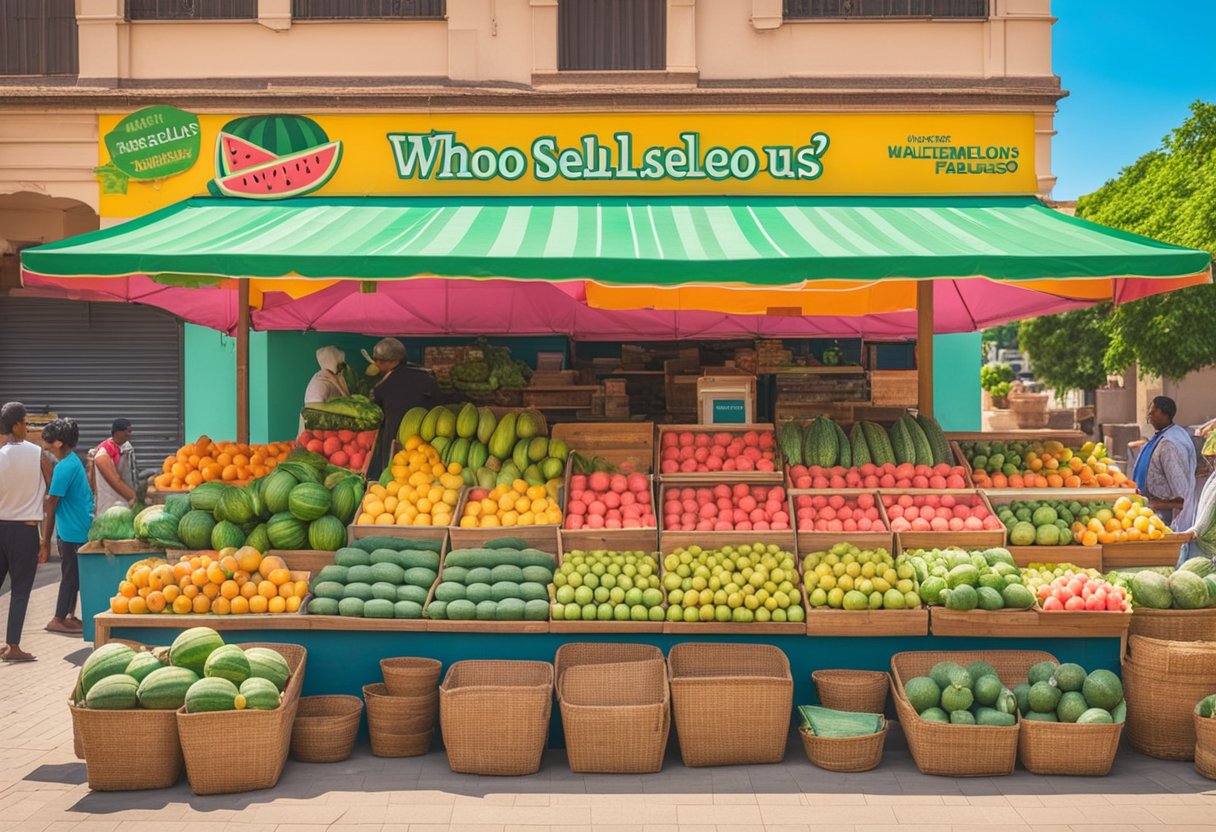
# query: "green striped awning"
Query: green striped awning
{"points": [[616, 241]]}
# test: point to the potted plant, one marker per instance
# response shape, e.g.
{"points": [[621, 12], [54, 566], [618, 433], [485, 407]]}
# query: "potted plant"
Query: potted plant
{"points": [[997, 381]]}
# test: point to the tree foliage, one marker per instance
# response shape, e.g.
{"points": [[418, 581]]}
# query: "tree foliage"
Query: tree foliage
{"points": [[1168, 194], [1003, 337], [1068, 350]]}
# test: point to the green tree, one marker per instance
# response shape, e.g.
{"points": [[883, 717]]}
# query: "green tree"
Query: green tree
{"points": [[1168, 194], [1003, 337], [1068, 350]]}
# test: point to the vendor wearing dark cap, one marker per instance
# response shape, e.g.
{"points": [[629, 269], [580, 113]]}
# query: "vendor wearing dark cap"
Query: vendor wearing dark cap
{"points": [[400, 388]]}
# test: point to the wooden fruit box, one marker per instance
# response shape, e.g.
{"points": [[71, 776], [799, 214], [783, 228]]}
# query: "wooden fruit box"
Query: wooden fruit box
{"points": [[614, 540], [907, 541], [775, 477], [673, 539], [560, 397], [1164, 552], [435, 534], [1086, 557], [1033, 623], [122, 547], [867, 623], [627, 445], [310, 560], [544, 538], [474, 626], [810, 542], [601, 538], [966, 539]]}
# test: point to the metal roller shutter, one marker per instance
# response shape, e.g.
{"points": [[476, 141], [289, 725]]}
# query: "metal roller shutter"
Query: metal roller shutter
{"points": [[96, 362]]}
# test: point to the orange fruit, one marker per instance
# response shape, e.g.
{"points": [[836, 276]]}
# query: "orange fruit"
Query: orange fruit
{"points": [[215, 574], [230, 589], [301, 589], [128, 589], [269, 564], [278, 577], [258, 604], [249, 589], [249, 558], [202, 604], [221, 606], [172, 592], [211, 591], [239, 606], [137, 606], [140, 576], [287, 590], [190, 591], [277, 605], [182, 605], [155, 601], [119, 604], [293, 603], [229, 563], [267, 589]]}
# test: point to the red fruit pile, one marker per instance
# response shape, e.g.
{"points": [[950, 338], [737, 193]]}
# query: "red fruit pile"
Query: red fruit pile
{"points": [[889, 475], [939, 513], [690, 452], [1083, 593], [610, 501], [725, 508], [838, 513], [341, 447]]}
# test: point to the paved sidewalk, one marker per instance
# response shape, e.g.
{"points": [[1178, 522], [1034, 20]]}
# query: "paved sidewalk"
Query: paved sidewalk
{"points": [[42, 786]]}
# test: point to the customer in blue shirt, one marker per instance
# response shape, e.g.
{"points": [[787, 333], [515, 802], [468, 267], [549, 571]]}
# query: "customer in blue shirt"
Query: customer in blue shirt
{"points": [[69, 504]]}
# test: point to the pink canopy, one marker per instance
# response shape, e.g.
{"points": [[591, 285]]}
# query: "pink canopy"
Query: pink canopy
{"points": [[446, 306]]}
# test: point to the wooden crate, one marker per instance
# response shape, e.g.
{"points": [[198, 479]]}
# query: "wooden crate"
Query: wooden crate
{"points": [[811, 542], [979, 539], [908, 541], [308, 560], [867, 623], [774, 477], [1163, 552], [619, 540], [1031, 623], [624, 444], [435, 533], [840, 412], [473, 626], [544, 538], [1086, 557], [672, 539], [894, 388], [560, 397]]}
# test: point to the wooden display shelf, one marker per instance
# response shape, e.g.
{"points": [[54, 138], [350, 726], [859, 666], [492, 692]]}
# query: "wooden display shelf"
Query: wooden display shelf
{"points": [[1033, 623], [560, 396], [309, 560], [1086, 557], [612, 540], [544, 538], [810, 542], [670, 541], [628, 540], [908, 541], [966, 539], [1162, 552], [106, 622], [438, 534], [867, 623], [121, 547], [447, 626], [774, 477], [730, 628], [620, 443]]}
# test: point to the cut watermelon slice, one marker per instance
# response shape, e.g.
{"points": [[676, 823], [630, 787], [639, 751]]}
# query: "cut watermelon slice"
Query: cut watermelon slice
{"points": [[235, 154], [295, 174]]}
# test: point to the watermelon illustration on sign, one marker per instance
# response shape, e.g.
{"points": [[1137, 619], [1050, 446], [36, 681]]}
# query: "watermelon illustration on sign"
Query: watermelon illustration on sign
{"points": [[273, 157]]}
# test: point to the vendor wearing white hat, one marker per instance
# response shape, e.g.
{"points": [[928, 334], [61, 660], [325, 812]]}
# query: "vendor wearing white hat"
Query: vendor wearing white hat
{"points": [[328, 382], [400, 388]]}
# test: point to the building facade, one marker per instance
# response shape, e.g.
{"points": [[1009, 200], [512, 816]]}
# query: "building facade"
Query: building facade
{"points": [[87, 61]]}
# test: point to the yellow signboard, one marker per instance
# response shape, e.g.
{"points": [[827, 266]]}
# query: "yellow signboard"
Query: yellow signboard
{"points": [[674, 154]]}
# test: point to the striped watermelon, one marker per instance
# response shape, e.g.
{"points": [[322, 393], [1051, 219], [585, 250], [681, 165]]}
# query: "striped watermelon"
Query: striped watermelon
{"points": [[345, 498], [286, 532], [195, 529], [113, 693], [227, 662], [213, 694], [326, 534], [236, 506], [277, 489], [260, 694], [309, 501], [226, 535], [265, 663], [142, 665], [107, 660], [165, 689], [192, 647]]}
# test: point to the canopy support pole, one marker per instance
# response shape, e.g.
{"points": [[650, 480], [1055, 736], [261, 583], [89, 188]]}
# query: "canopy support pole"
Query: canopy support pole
{"points": [[924, 347], [242, 362]]}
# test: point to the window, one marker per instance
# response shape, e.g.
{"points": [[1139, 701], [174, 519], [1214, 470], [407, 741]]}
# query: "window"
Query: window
{"points": [[354, 9], [38, 37], [810, 9], [621, 35], [192, 9]]}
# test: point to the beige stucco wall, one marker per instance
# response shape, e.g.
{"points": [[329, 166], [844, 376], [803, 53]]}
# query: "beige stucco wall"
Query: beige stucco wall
{"points": [[49, 153]]}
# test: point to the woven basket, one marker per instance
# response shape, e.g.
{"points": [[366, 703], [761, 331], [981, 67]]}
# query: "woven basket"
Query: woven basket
{"points": [[129, 750], [1205, 745], [76, 698], [1174, 625], [1189, 660], [400, 726], [849, 754], [210, 741], [1160, 710], [409, 676], [616, 717], [732, 703], [582, 653], [1068, 748], [495, 715], [961, 750], [860, 691], [326, 728]]}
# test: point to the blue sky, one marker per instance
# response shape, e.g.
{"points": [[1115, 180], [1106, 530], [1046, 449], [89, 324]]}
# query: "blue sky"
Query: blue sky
{"points": [[1131, 75]]}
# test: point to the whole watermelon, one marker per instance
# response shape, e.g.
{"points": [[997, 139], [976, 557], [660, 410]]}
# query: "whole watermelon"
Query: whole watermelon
{"points": [[236, 506], [226, 535], [206, 497], [309, 501], [258, 538], [276, 490], [326, 534], [285, 531], [345, 499], [195, 529]]}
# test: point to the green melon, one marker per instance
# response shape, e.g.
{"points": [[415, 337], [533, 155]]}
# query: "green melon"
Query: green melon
{"points": [[192, 647], [309, 501], [407, 609], [258, 538], [417, 594], [935, 715], [358, 589], [260, 694], [351, 607], [206, 496], [195, 529], [1102, 689], [1095, 716], [1069, 677], [1072, 706], [268, 663], [437, 610], [227, 662], [107, 660], [349, 556], [226, 535], [384, 591], [236, 505], [164, 689], [141, 665], [113, 693], [285, 531], [1041, 672], [326, 534], [390, 572], [345, 498], [378, 608], [922, 693], [276, 490], [213, 694], [1044, 697], [322, 606], [957, 698]]}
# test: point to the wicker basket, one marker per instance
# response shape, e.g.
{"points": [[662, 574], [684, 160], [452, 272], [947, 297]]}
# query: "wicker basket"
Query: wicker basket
{"points": [[326, 728], [961, 750], [263, 738], [583, 653], [409, 676], [495, 715], [1174, 625], [400, 726], [860, 691], [76, 698], [1068, 748], [1160, 710], [616, 717], [1205, 745], [1189, 660], [732, 703], [848, 754]]}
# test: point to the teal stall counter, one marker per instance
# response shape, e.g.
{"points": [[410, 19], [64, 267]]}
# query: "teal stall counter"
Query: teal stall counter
{"points": [[344, 660], [101, 570]]}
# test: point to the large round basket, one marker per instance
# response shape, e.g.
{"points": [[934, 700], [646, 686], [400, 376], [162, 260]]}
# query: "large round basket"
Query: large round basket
{"points": [[863, 691], [1174, 625], [410, 676], [847, 754], [400, 726], [1205, 745], [1068, 748], [326, 728]]}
